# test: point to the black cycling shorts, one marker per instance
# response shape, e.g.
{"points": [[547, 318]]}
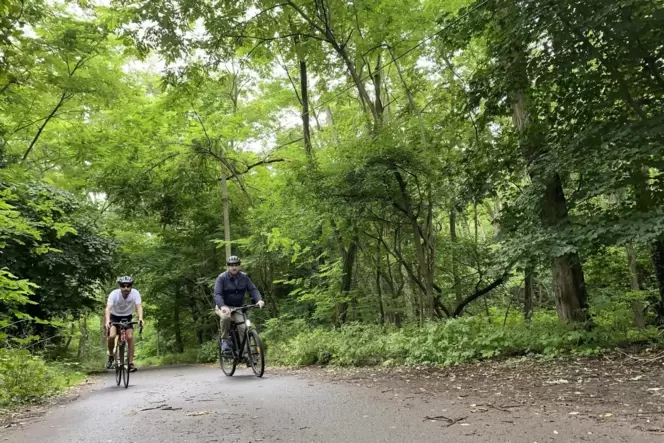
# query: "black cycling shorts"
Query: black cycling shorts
{"points": [[118, 319]]}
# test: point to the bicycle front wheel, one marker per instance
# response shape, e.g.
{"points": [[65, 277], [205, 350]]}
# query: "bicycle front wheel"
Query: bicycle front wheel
{"points": [[125, 369], [228, 364], [257, 353], [119, 364]]}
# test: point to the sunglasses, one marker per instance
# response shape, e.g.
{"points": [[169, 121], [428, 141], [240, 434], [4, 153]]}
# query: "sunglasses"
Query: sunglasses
{"points": [[125, 286]]}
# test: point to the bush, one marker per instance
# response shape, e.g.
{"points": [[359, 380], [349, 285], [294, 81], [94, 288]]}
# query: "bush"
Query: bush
{"points": [[205, 354], [450, 342], [26, 378], [209, 352]]}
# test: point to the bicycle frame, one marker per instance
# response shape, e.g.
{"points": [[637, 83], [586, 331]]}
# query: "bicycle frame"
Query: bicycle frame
{"points": [[121, 337], [234, 333], [255, 358]]}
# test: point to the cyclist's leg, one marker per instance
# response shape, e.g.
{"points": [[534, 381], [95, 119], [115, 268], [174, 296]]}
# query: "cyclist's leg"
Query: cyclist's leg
{"points": [[129, 334], [111, 342], [130, 343], [224, 322], [237, 318]]}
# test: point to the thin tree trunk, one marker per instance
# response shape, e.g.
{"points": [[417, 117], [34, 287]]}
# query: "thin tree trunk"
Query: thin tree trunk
{"points": [[381, 308], [71, 335], [637, 306], [179, 346], [82, 353], [306, 129], [528, 292], [227, 220], [658, 263], [455, 270], [411, 99], [420, 242]]}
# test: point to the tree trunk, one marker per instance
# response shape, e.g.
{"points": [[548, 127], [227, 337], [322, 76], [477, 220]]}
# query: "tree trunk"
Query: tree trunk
{"points": [[658, 263], [528, 292], [637, 306], [179, 346], [455, 270], [72, 329], [570, 286], [347, 279], [381, 308], [378, 92], [571, 301], [571, 295], [306, 128], [420, 242], [82, 353], [227, 220]]}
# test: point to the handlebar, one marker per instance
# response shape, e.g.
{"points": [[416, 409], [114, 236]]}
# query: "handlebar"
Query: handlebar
{"points": [[124, 324], [242, 308]]}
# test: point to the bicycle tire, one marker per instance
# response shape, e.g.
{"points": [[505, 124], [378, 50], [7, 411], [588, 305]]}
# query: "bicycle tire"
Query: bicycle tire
{"points": [[118, 374], [125, 371], [226, 367], [257, 366], [119, 365]]}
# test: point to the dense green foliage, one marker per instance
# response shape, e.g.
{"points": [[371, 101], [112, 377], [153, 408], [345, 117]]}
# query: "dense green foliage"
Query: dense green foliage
{"points": [[406, 182]]}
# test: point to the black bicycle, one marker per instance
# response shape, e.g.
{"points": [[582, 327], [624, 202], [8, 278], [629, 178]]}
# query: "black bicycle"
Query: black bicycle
{"points": [[250, 342], [122, 369]]}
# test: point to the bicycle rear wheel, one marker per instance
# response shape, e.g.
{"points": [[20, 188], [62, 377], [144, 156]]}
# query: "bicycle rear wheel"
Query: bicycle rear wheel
{"points": [[228, 364], [125, 370], [257, 353]]}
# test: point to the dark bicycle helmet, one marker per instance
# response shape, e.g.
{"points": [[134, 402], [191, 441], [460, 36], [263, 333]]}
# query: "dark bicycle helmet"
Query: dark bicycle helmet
{"points": [[125, 279], [233, 260]]}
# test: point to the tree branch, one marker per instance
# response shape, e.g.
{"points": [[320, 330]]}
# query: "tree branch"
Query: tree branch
{"points": [[499, 281], [63, 98], [250, 167]]}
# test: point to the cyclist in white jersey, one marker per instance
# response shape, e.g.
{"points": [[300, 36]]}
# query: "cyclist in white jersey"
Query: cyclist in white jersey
{"points": [[120, 306]]}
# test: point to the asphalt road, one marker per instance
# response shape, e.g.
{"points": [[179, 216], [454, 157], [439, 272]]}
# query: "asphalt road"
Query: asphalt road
{"points": [[200, 404]]}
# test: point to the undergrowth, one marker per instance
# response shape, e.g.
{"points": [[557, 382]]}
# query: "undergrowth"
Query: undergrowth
{"points": [[455, 341], [27, 378]]}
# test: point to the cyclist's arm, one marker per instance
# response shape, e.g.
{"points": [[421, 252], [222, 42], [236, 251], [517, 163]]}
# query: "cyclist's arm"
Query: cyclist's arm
{"points": [[139, 306], [253, 291], [139, 310], [219, 292], [109, 304]]}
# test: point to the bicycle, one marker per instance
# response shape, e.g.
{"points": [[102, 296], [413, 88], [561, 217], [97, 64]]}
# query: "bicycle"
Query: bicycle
{"points": [[122, 370], [251, 342]]}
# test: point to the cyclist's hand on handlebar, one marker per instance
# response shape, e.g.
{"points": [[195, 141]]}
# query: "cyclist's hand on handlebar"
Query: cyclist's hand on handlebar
{"points": [[260, 304], [141, 323]]}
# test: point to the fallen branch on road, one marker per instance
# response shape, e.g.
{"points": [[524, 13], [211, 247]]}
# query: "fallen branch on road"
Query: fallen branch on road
{"points": [[450, 421]]}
